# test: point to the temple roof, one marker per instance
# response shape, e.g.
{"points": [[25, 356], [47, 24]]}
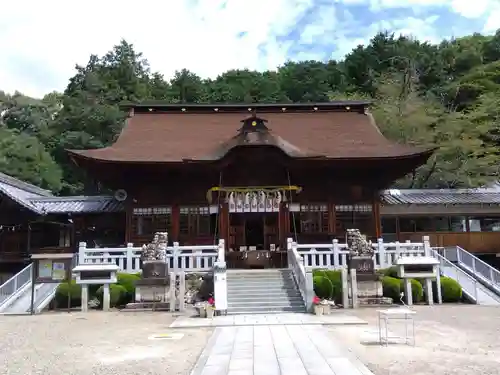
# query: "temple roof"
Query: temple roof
{"points": [[176, 133], [22, 192]]}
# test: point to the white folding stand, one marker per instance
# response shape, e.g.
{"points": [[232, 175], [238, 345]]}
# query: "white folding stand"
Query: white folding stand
{"points": [[402, 313]]}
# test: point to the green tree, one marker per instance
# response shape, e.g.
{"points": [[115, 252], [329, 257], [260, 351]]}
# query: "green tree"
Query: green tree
{"points": [[24, 157]]}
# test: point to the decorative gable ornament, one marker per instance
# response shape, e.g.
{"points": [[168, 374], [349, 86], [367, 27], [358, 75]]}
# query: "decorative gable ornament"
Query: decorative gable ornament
{"points": [[253, 124]]}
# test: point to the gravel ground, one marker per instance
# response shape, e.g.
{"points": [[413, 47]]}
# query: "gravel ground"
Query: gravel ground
{"points": [[96, 343], [450, 339]]}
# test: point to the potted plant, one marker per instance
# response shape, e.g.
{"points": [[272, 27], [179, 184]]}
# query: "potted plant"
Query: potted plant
{"points": [[317, 306], [210, 308]]}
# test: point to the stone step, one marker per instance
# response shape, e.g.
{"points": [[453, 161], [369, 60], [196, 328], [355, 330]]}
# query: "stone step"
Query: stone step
{"points": [[264, 310], [254, 289], [265, 293], [259, 284], [265, 270], [263, 277], [257, 300]]}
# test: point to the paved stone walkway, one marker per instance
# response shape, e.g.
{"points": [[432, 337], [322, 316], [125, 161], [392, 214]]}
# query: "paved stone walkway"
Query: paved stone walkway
{"points": [[334, 318], [275, 350]]}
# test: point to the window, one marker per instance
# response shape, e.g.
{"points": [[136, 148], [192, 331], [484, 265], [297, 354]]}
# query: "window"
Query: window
{"points": [[65, 237], [357, 216], [484, 224], [148, 221], [195, 221], [313, 218], [389, 225]]}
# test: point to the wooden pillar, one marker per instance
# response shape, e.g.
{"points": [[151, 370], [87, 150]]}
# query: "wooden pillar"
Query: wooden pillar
{"points": [[376, 218], [283, 223], [129, 212], [176, 214], [331, 218]]}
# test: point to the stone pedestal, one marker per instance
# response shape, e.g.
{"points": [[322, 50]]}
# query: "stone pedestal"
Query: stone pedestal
{"points": [[369, 293], [365, 283], [152, 269], [152, 290]]}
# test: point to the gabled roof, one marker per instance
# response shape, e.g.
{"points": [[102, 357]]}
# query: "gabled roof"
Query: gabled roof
{"points": [[43, 202], [177, 133], [22, 192]]}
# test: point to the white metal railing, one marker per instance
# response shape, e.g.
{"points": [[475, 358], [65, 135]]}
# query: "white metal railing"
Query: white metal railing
{"points": [[16, 283], [296, 264], [186, 258], [467, 282], [480, 269], [334, 255]]}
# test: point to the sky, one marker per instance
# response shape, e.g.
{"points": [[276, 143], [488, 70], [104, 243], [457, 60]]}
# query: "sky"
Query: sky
{"points": [[42, 41]]}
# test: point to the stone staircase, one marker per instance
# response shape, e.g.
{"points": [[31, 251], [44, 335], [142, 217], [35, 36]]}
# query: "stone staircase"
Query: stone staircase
{"points": [[262, 292]]}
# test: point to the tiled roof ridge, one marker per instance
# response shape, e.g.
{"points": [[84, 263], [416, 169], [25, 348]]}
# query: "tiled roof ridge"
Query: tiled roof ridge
{"points": [[396, 192], [71, 198]]}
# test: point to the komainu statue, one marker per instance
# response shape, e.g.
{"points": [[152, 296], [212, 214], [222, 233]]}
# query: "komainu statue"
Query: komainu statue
{"points": [[157, 249], [358, 245]]}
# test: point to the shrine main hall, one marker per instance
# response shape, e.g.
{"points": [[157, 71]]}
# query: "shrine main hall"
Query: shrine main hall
{"points": [[250, 174]]}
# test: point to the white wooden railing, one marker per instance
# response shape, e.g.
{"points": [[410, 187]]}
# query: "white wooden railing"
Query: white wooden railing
{"points": [[334, 255], [182, 258]]}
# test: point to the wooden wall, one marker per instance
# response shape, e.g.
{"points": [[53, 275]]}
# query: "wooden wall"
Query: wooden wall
{"points": [[475, 242]]}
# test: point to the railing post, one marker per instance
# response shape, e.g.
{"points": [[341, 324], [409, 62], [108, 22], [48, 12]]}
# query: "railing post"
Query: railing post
{"points": [[82, 246], [398, 252], [221, 250], [289, 242], [336, 253], [457, 249], [175, 257], [381, 253], [130, 259], [309, 290], [427, 246]]}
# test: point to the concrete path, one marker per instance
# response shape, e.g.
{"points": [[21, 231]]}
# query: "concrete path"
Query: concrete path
{"points": [[275, 350]]}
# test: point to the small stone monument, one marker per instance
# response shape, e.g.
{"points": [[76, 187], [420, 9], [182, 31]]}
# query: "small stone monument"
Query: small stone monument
{"points": [[153, 287], [365, 285]]}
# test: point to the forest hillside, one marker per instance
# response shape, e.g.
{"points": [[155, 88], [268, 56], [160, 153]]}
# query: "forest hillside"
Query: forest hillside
{"points": [[444, 96]]}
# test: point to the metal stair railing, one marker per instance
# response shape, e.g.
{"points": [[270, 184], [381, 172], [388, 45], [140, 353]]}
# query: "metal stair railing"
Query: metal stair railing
{"points": [[15, 284], [480, 269]]}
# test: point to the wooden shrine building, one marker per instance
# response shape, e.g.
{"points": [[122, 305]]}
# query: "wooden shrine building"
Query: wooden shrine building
{"points": [[250, 174]]}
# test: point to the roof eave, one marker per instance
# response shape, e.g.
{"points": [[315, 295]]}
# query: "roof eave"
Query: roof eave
{"points": [[22, 202]]}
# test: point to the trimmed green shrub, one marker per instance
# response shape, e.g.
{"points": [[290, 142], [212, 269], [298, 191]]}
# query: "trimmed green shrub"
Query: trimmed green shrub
{"points": [[451, 291], [417, 291], [391, 288], [391, 272], [73, 290], [116, 294], [128, 281], [323, 287], [335, 284]]}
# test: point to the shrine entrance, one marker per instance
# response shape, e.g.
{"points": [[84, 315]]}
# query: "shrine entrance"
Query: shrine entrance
{"points": [[254, 241], [255, 222]]}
